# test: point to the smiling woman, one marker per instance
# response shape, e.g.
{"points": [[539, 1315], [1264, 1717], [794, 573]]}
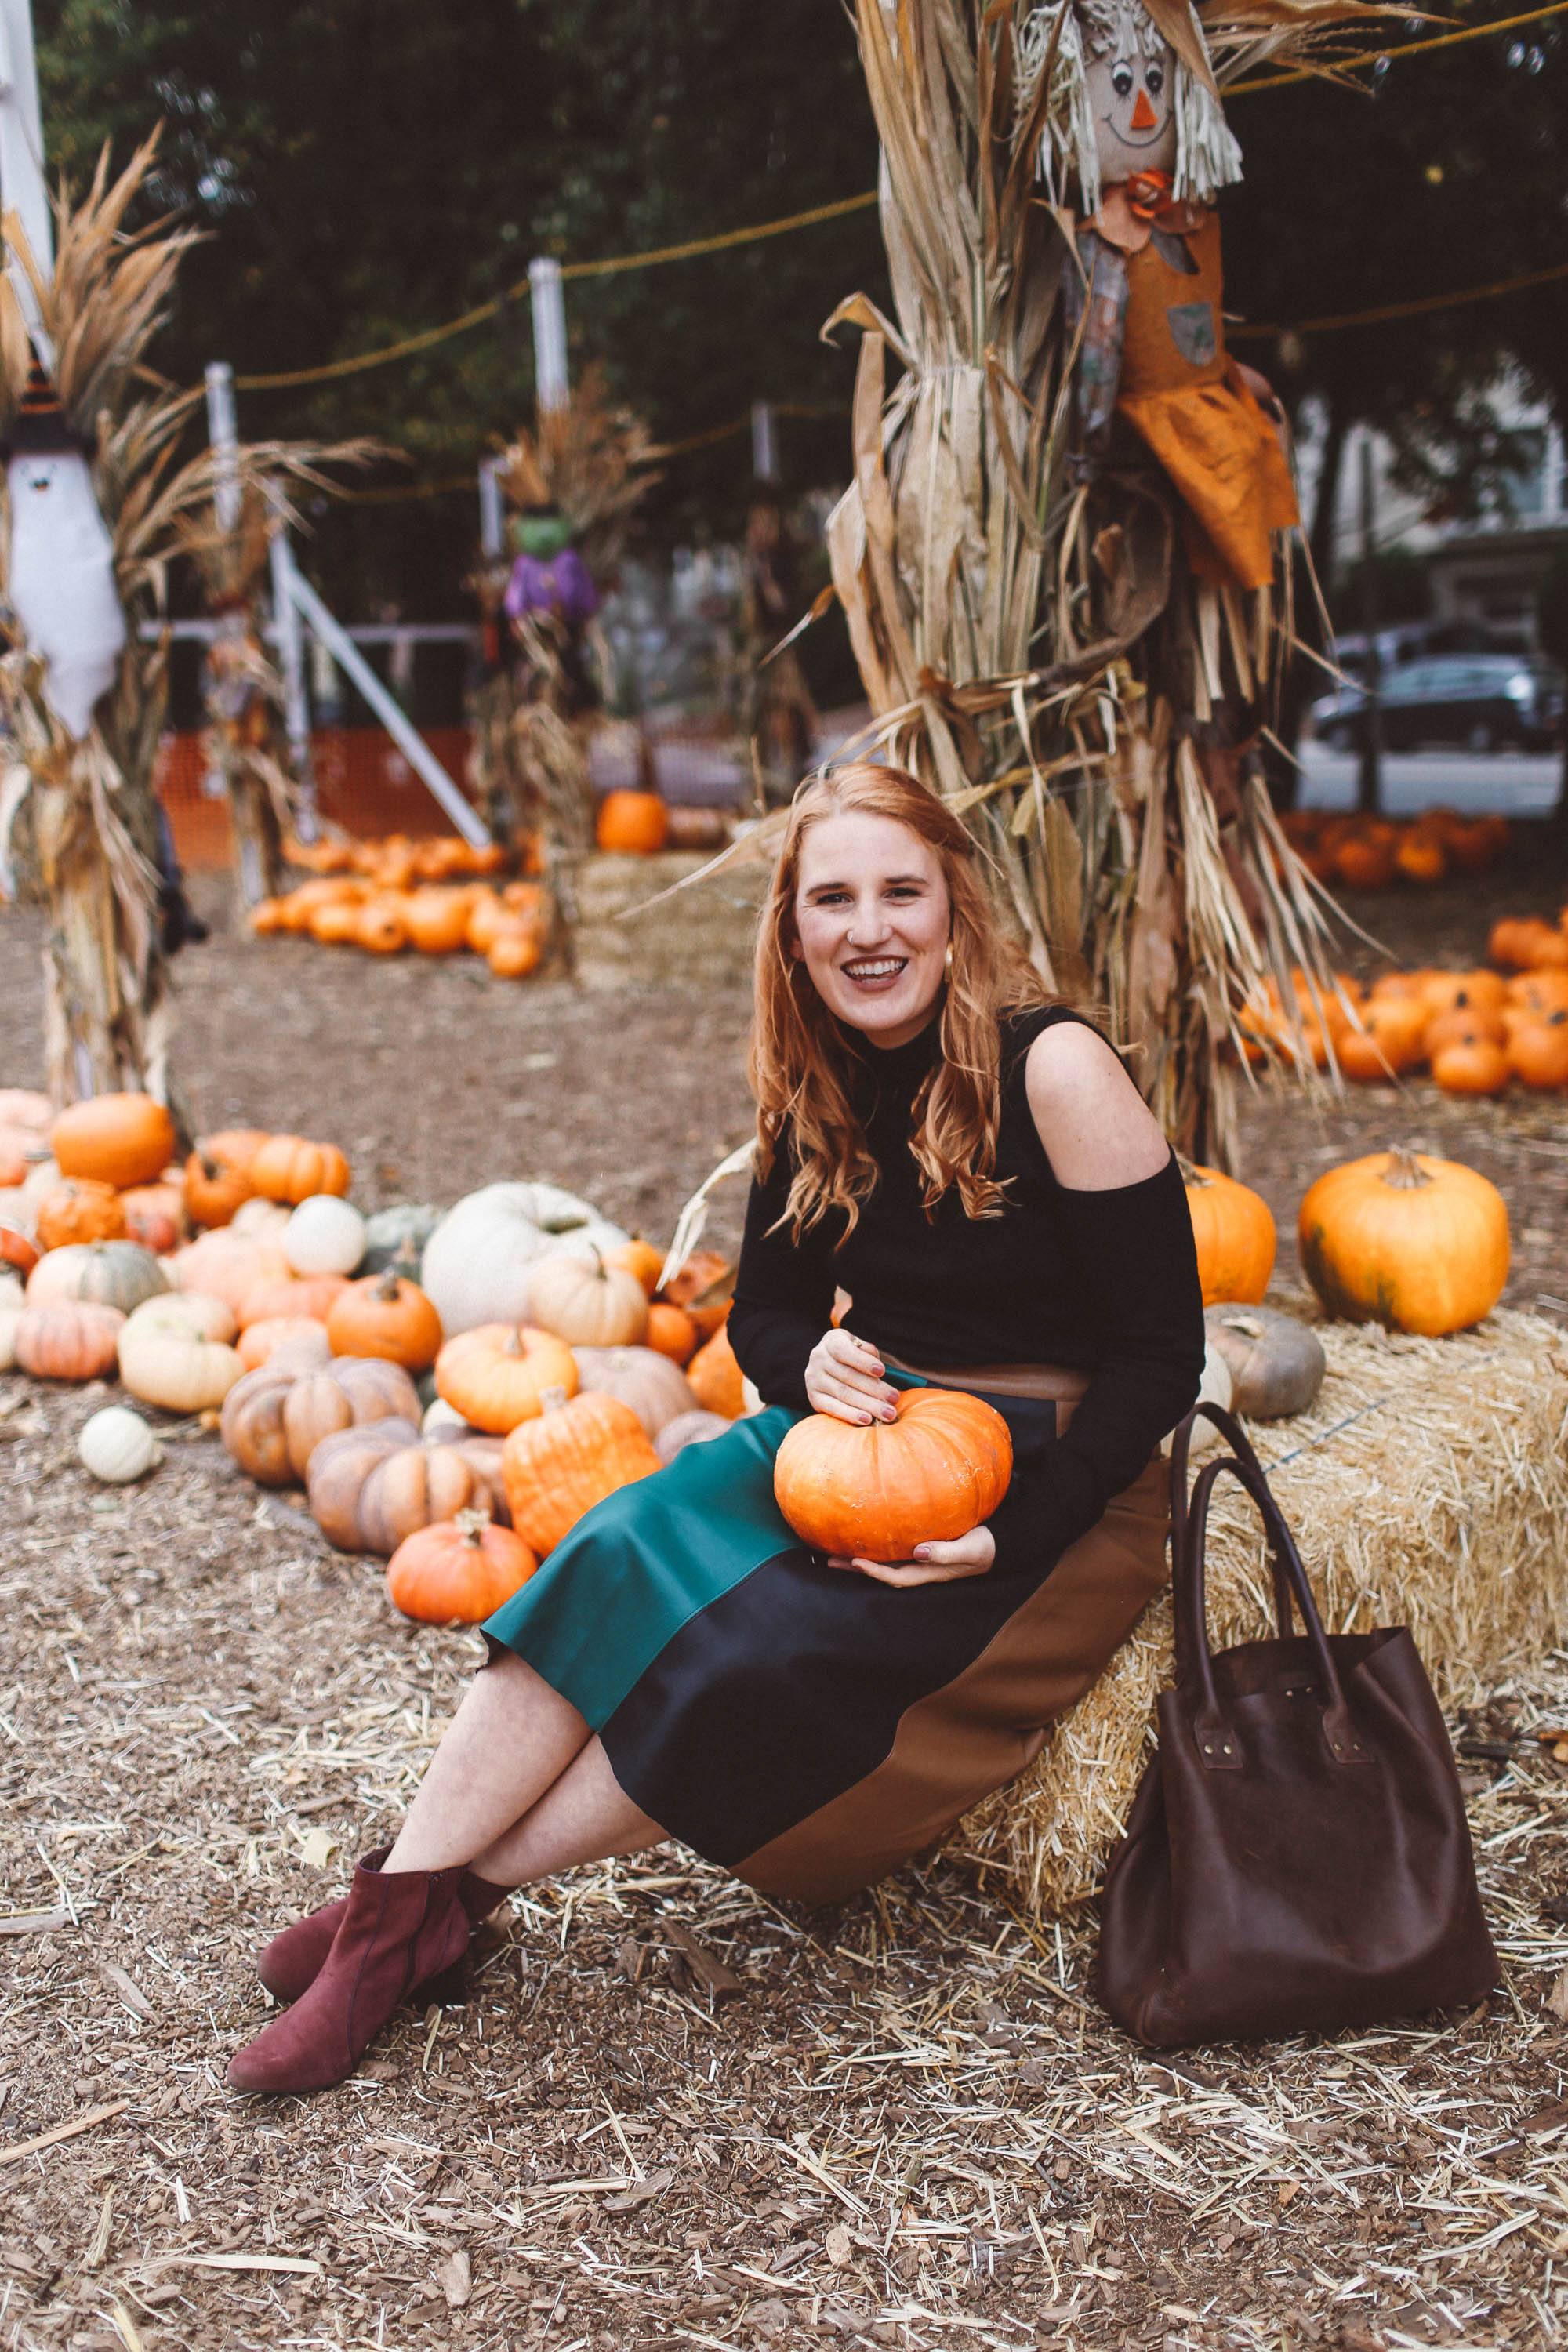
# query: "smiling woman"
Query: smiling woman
{"points": [[972, 1164]]}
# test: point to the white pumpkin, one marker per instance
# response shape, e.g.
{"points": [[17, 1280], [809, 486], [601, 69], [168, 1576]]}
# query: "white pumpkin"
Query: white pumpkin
{"points": [[477, 1262], [11, 1291], [324, 1235], [1215, 1388], [9, 1317], [262, 1220], [170, 1354], [116, 1445]]}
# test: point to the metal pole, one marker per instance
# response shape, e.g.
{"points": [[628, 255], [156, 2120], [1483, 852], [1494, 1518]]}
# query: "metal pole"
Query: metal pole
{"points": [[551, 389], [764, 442], [291, 656], [1370, 781], [223, 434], [324, 625], [491, 519], [22, 187]]}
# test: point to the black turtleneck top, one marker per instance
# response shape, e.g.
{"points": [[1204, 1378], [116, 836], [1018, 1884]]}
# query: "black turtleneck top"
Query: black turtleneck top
{"points": [[1105, 1281]]}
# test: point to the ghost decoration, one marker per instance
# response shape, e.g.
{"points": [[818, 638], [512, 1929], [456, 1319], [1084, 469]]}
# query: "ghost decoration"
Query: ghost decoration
{"points": [[62, 586], [1135, 147]]}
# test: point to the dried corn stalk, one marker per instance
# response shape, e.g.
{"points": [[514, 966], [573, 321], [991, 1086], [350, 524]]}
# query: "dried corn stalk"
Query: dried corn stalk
{"points": [[77, 814], [1024, 632]]}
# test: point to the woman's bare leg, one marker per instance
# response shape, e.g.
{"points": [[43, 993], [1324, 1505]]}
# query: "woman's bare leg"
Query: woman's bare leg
{"points": [[510, 1741], [585, 1816]]}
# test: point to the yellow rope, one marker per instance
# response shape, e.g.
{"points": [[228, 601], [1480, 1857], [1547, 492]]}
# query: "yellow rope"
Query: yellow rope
{"points": [[1411, 310], [1406, 50], [334, 370]]}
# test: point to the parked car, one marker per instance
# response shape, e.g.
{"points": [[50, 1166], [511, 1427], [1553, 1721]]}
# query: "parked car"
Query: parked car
{"points": [[1483, 702]]}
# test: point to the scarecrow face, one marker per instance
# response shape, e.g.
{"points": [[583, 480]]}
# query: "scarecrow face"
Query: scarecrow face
{"points": [[1130, 73]]}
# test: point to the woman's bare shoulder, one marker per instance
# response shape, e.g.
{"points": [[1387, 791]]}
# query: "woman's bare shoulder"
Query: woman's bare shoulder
{"points": [[1095, 1126]]}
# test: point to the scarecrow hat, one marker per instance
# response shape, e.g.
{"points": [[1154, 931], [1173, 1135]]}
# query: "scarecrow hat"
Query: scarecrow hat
{"points": [[38, 428]]}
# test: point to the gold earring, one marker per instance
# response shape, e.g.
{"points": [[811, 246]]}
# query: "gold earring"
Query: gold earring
{"points": [[947, 960]]}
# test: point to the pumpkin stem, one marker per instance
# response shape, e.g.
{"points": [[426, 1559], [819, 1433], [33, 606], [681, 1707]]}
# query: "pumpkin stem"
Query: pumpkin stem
{"points": [[471, 1525], [552, 1399], [1405, 1173], [1192, 1176], [388, 1287]]}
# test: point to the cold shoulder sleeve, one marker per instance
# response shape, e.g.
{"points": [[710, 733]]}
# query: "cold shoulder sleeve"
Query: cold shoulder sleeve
{"points": [[1139, 1300], [783, 1294]]}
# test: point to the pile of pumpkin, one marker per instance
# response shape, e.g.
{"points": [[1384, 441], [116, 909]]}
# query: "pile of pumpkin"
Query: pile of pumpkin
{"points": [[1475, 1031], [1356, 852], [460, 1424], [454, 1391], [509, 925]]}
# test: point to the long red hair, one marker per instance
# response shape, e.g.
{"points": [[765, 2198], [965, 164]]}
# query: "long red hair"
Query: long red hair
{"points": [[800, 1074]]}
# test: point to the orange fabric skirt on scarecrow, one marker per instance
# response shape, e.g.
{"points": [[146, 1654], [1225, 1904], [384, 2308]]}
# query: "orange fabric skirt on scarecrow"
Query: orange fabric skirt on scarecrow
{"points": [[1190, 404]]}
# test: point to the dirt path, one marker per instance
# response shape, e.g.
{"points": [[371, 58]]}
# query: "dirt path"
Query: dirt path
{"points": [[909, 2125]]}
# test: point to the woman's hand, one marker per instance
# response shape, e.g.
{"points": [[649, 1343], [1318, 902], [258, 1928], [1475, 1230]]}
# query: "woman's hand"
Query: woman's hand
{"points": [[844, 1377], [934, 1563]]}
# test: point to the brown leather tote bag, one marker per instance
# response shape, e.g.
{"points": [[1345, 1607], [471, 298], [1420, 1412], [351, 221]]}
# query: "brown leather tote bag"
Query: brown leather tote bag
{"points": [[1297, 1858]]}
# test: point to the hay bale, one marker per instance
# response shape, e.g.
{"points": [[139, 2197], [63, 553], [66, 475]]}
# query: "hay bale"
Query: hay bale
{"points": [[1427, 1487], [702, 937]]}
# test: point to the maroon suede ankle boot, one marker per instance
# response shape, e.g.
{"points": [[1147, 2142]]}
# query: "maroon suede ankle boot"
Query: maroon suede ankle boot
{"points": [[291, 1962], [399, 1930]]}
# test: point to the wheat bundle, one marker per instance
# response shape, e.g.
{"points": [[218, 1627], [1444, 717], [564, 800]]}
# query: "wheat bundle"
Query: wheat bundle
{"points": [[1427, 1486]]}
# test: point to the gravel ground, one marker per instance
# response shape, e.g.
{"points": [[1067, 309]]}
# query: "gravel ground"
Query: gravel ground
{"points": [[673, 2114]]}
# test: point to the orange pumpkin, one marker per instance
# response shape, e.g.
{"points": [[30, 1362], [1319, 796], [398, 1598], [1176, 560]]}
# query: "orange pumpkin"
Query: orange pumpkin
{"points": [[297, 1297], [237, 1144], [68, 1339], [933, 1474], [16, 1251], [1462, 1025], [383, 1315], [1400, 984], [632, 821], [568, 1457], [79, 1211], [1524, 940], [1418, 1244], [155, 1217], [267, 918], [1538, 1050], [671, 1331], [703, 1284], [1540, 989], [717, 1379], [495, 1375], [119, 1140], [641, 1259], [1422, 857], [215, 1188], [1364, 863], [290, 1168], [259, 1342], [1234, 1230], [436, 921], [1473, 1065], [1391, 1039], [459, 1571], [336, 926], [381, 927], [515, 950], [1478, 992]]}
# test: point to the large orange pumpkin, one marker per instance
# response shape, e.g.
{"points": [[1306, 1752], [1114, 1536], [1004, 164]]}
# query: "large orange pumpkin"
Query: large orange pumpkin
{"points": [[460, 1571], [1538, 1050], [634, 820], [495, 1375], [119, 1140], [933, 1474], [1420, 1245], [1471, 1065], [290, 1167], [566, 1459], [384, 1316], [1233, 1229]]}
